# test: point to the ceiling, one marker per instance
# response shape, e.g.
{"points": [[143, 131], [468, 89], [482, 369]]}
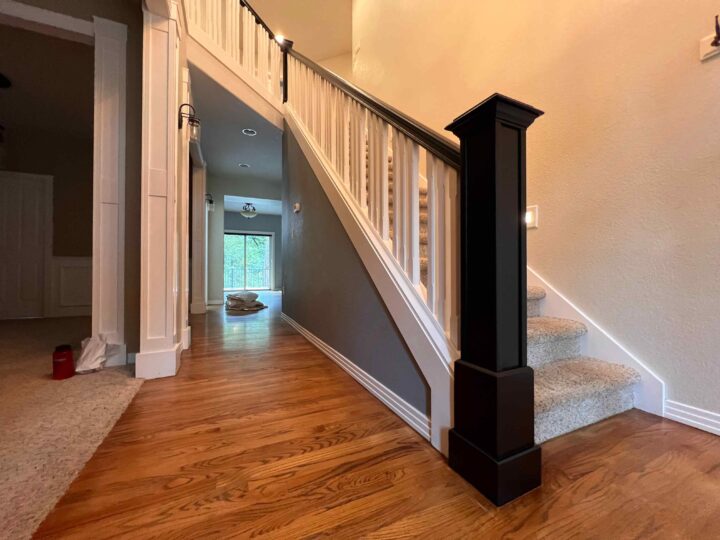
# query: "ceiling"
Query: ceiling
{"points": [[52, 84], [262, 206], [320, 29], [224, 146]]}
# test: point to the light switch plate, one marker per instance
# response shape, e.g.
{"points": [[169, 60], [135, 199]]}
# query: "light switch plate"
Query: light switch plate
{"points": [[707, 50], [531, 217]]}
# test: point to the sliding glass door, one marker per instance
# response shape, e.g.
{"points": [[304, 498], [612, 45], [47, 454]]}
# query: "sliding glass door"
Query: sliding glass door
{"points": [[248, 261]]}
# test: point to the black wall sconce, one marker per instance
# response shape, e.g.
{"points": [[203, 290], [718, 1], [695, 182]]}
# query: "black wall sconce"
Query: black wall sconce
{"points": [[716, 40], [192, 120]]}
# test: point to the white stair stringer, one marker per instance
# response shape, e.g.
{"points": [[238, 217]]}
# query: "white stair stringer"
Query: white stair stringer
{"points": [[427, 341]]}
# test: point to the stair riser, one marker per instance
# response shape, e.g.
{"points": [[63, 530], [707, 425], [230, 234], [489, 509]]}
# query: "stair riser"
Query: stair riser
{"points": [[539, 354], [533, 308], [582, 412]]}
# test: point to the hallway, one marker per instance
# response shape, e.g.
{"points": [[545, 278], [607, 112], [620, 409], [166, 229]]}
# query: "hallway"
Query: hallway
{"points": [[261, 434]]}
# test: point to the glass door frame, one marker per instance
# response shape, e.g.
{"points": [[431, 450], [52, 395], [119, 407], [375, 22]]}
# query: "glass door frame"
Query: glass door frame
{"points": [[271, 249]]}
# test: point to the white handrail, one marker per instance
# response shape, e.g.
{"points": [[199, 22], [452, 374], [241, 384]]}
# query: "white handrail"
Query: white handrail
{"points": [[406, 192]]}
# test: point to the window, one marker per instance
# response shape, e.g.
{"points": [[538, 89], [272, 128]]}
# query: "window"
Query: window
{"points": [[248, 261]]}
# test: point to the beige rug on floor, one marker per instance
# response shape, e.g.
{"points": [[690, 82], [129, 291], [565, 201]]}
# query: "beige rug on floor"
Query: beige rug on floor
{"points": [[48, 429]]}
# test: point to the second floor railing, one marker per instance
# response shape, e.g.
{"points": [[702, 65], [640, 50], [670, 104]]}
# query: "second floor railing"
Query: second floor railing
{"points": [[233, 32]]}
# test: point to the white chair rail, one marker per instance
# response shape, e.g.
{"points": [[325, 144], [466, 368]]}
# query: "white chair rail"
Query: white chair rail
{"points": [[230, 31], [406, 192]]}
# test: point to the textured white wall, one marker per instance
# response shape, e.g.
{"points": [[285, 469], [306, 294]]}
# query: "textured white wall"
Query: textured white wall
{"points": [[625, 165]]}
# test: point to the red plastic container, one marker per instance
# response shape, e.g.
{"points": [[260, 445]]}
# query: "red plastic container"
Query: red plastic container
{"points": [[63, 362]]}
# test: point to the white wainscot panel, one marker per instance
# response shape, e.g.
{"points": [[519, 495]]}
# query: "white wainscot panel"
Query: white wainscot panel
{"points": [[70, 287]]}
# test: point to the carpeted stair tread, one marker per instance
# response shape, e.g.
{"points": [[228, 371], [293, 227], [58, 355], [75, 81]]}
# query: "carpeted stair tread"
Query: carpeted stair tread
{"points": [[574, 393], [547, 329], [574, 379], [535, 293]]}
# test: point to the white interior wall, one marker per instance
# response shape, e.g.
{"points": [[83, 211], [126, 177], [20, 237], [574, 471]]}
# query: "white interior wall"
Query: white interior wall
{"points": [[624, 165]]}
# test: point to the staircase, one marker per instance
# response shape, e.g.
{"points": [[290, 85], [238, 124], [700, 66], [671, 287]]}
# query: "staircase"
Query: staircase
{"points": [[404, 194], [571, 391]]}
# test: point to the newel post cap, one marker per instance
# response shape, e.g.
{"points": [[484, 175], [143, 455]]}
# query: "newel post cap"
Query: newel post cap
{"points": [[496, 107]]}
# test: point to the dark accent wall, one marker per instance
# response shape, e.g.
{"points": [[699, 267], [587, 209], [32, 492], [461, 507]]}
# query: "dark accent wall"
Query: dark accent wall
{"points": [[260, 223], [328, 291]]}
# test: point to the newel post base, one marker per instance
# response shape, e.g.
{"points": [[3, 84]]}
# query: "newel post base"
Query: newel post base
{"points": [[492, 442]]}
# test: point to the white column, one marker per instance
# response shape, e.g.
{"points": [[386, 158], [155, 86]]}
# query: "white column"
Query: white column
{"points": [[199, 242], [183, 211], [159, 354], [108, 264]]}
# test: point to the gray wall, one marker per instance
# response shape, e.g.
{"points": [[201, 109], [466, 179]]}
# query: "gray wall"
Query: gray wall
{"points": [[328, 291], [260, 223], [218, 187], [49, 127], [128, 12]]}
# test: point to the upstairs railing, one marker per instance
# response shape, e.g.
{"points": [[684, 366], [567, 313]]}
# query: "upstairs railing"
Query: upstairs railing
{"points": [[402, 177], [232, 31]]}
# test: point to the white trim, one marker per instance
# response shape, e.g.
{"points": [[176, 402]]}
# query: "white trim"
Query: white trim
{"points": [[271, 234], [598, 343], [236, 81], [413, 417], [198, 304], [186, 338], [216, 302], [157, 364], [118, 356], [426, 339], [693, 416], [108, 259], [70, 287], [45, 21]]}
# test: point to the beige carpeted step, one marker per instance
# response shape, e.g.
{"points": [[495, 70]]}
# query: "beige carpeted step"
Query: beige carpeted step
{"points": [[577, 392], [534, 296], [550, 338]]}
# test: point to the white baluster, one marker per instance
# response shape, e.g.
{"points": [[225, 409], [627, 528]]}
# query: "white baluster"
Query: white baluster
{"points": [[436, 237], [452, 267], [398, 146], [413, 214]]}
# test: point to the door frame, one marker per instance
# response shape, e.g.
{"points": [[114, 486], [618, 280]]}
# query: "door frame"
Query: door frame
{"points": [[271, 234], [108, 39]]}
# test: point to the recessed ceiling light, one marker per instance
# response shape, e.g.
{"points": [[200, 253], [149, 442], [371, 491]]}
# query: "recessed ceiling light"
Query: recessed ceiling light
{"points": [[249, 132], [244, 165]]}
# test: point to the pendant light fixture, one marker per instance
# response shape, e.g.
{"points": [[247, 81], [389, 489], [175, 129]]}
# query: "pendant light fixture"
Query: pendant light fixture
{"points": [[248, 210]]}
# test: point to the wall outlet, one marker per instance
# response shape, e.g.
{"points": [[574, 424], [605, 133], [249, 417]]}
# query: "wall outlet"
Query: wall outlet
{"points": [[706, 49], [531, 217]]}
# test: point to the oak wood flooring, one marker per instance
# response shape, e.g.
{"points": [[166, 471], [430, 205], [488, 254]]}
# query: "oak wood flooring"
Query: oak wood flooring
{"points": [[260, 435]]}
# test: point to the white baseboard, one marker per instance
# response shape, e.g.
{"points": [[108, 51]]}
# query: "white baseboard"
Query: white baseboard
{"points": [[157, 364], [598, 343], [413, 417], [215, 302], [198, 308], [692, 416], [117, 355], [186, 338]]}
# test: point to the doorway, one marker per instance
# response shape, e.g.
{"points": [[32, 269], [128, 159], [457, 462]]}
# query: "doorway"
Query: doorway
{"points": [[248, 261]]}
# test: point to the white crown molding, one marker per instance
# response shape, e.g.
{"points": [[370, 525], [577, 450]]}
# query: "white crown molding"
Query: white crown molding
{"points": [[413, 417]]}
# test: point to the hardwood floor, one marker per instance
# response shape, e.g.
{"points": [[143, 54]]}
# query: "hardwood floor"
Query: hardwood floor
{"points": [[261, 435]]}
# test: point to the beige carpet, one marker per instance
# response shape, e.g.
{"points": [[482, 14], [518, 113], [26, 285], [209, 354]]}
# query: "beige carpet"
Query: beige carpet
{"points": [[48, 429]]}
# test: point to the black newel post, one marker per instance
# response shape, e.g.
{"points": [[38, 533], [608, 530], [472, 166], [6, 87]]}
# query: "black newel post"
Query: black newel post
{"points": [[285, 46], [492, 443]]}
